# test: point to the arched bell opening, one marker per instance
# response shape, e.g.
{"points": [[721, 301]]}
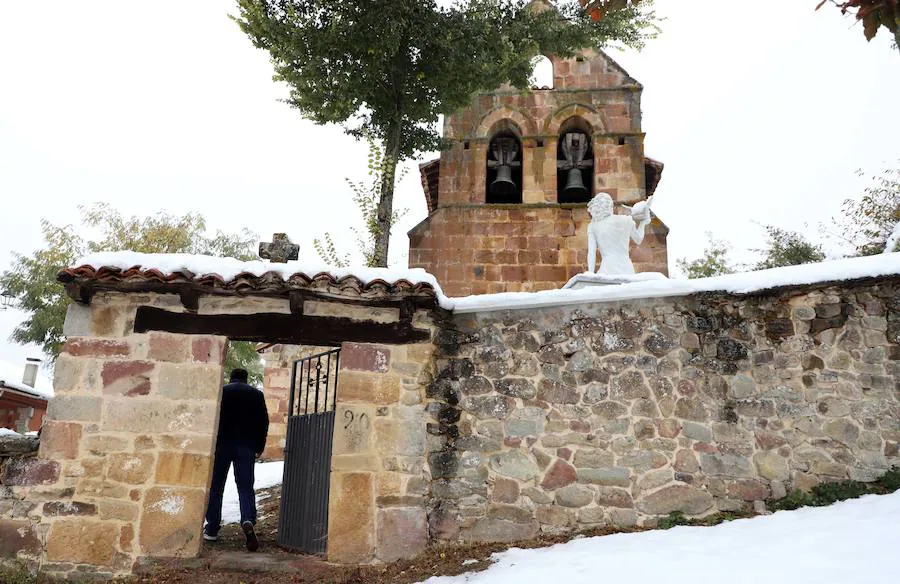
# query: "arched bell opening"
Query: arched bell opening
{"points": [[504, 165], [575, 162]]}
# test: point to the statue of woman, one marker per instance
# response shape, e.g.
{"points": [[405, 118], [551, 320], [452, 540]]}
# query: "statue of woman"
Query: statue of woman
{"points": [[612, 235]]}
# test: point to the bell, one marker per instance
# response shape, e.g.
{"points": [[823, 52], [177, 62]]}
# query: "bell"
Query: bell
{"points": [[503, 185], [575, 186]]}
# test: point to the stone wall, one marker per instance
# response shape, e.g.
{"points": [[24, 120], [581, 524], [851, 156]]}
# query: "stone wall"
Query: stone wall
{"points": [[125, 455], [562, 419], [514, 248]]}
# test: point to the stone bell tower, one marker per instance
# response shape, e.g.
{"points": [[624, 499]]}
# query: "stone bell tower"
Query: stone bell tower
{"points": [[507, 200]]}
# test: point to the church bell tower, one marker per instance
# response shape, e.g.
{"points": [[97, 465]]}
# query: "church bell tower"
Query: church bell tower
{"points": [[507, 200]]}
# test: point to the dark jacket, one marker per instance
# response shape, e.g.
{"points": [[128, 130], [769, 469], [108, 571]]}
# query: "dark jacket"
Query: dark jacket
{"points": [[244, 419]]}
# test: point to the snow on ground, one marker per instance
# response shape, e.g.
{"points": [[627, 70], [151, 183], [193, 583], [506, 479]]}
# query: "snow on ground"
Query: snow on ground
{"points": [[743, 283], [7, 431], [268, 474], [853, 541]]}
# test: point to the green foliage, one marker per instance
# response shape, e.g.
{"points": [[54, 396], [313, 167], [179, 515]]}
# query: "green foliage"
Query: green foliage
{"points": [[787, 248], [867, 222], [243, 355], [16, 575], [366, 198], [830, 493], [32, 278], [389, 68], [676, 518], [713, 262], [673, 519]]}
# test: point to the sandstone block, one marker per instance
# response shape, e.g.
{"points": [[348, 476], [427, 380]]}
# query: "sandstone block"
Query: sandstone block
{"points": [[182, 469], [74, 408], [161, 416], [505, 490], [168, 347], [100, 444], [19, 472], [668, 428], [843, 431], [574, 496], [208, 350], [187, 381], [351, 519], [727, 465], [78, 321], [128, 378], [553, 516], [353, 434], [688, 500], [117, 510], [171, 522], [691, 409], [18, 536], [360, 357], [82, 541], [92, 347], [369, 388], [560, 474], [395, 438], [60, 440], [401, 533], [133, 469], [64, 508]]}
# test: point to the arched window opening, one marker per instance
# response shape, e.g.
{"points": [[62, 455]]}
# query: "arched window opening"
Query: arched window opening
{"points": [[575, 162], [504, 169], [541, 73]]}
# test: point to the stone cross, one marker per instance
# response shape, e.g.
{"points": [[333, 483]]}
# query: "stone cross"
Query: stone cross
{"points": [[280, 250]]}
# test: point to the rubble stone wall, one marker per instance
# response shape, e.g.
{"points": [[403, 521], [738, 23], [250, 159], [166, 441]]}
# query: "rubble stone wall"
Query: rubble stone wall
{"points": [[562, 419]]}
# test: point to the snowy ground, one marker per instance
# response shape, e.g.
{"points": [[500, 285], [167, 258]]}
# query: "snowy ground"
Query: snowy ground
{"points": [[268, 474], [853, 541]]}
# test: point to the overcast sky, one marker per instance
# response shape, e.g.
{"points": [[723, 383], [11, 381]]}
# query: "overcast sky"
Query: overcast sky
{"points": [[760, 114]]}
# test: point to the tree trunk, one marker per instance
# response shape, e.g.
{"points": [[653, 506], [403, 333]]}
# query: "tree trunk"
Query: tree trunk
{"points": [[385, 212]]}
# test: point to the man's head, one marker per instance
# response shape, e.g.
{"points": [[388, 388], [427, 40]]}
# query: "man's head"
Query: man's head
{"points": [[239, 375], [600, 206]]}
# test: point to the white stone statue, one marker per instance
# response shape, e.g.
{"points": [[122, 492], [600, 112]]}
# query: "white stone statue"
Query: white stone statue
{"points": [[612, 235]]}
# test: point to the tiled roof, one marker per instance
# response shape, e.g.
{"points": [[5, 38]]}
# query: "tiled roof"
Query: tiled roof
{"points": [[86, 279]]}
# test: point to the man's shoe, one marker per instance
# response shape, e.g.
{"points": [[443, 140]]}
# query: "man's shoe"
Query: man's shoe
{"points": [[252, 540], [210, 536]]}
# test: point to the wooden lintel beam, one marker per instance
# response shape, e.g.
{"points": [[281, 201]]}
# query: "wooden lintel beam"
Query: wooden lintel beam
{"points": [[292, 329]]}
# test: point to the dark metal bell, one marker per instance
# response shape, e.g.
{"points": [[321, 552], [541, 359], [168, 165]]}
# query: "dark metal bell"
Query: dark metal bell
{"points": [[503, 185], [574, 185]]}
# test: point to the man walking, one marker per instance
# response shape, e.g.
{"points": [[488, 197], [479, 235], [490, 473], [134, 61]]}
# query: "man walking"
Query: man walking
{"points": [[243, 426]]}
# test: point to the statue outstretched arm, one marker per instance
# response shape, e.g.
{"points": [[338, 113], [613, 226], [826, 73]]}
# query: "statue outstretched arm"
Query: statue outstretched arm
{"points": [[592, 251], [637, 234]]}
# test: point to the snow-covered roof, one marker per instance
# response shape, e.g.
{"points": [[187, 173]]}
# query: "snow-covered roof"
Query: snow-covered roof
{"points": [[224, 272], [21, 387]]}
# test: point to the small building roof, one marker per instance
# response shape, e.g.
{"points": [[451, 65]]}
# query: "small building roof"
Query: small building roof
{"points": [[127, 271]]}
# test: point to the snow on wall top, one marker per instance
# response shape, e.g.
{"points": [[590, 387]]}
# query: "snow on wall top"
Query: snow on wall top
{"points": [[743, 283], [23, 388]]}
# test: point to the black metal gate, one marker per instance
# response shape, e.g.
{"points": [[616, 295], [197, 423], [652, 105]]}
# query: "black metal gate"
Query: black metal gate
{"points": [[303, 518]]}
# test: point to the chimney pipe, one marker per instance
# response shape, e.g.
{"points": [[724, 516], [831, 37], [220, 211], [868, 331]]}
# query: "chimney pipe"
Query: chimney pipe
{"points": [[31, 371]]}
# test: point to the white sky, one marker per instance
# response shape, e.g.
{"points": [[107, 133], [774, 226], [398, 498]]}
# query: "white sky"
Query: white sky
{"points": [[759, 113]]}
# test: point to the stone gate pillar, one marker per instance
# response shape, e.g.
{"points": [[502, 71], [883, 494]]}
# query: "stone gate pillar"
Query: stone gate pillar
{"points": [[131, 429]]}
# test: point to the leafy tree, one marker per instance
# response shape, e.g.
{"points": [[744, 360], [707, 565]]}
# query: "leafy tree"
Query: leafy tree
{"points": [[32, 278], [366, 198], [867, 222], [713, 262], [873, 14], [389, 68], [787, 248]]}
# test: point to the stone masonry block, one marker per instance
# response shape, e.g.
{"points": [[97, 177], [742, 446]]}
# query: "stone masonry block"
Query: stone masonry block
{"points": [[93, 347], [208, 350], [169, 347], [161, 416], [82, 541], [367, 387], [186, 381], [351, 518], [75, 408], [171, 522], [401, 533], [129, 378], [18, 536], [78, 321], [359, 357], [180, 469], [59, 440], [133, 469], [19, 472]]}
